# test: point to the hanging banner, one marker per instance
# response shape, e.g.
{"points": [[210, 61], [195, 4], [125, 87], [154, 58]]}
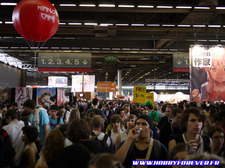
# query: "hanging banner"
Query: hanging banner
{"points": [[139, 94], [106, 87], [46, 96], [63, 95], [207, 73], [88, 83], [57, 81], [22, 94]]}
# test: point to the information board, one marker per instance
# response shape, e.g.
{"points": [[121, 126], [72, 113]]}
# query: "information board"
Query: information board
{"points": [[106, 87], [139, 94]]}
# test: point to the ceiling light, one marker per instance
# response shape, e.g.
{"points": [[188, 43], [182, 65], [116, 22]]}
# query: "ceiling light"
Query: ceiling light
{"points": [[201, 7], [214, 26], [126, 49], [62, 23], [84, 48], [153, 24], [87, 5], [213, 40], [220, 7], [8, 22], [184, 25], [115, 48], [14, 47], [135, 49], [126, 6], [65, 48], [137, 25], [105, 48], [169, 25], [74, 23], [106, 5], [122, 24], [95, 48], [183, 7], [54, 48], [69, 38], [75, 48], [23, 47], [198, 25], [145, 6], [19, 37], [106, 24], [201, 40], [8, 4], [43, 47], [67, 4], [165, 7], [90, 24], [0, 22], [57, 38]]}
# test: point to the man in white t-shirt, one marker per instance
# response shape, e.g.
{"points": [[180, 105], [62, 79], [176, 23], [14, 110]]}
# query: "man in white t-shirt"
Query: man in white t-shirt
{"points": [[14, 129]]}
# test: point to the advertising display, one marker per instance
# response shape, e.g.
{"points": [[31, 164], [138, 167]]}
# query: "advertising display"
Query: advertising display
{"points": [[207, 73], [5, 95], [46, 96], [63, 96], [57, 81], [82, 83], [106, 87], [22, 94], [139, 94]]}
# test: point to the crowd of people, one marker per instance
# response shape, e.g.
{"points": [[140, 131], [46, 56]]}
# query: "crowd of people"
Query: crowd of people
{"points": [[111, 134]]}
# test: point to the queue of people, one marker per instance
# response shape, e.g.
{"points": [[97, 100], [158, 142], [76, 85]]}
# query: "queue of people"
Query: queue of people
{"points": [[109, 133]]}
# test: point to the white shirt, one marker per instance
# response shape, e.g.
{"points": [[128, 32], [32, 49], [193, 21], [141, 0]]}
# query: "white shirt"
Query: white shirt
{"points": [[14, 129], [101, 135], [114, 136]]}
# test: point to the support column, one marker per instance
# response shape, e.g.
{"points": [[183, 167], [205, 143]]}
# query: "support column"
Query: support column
{"points": [[119, 80]]}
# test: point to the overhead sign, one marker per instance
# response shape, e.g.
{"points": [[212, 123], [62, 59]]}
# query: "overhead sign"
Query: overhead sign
{"points": [[106, 87], [57, 81], [82, 83], [139, 94], [62, 61], [181, 62], [110, 58]]}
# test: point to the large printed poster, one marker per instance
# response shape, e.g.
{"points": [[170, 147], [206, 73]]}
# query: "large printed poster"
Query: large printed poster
{"points": [[207, 73], [22, 94], [88, 84], [46, 96], [5, 95], [63, 96]]}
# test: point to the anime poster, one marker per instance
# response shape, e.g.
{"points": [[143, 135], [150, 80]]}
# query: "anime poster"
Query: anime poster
{"points": [[46, 96], [63, 96], [87, 83], [207, 73], [5, 95], [22, 94]]}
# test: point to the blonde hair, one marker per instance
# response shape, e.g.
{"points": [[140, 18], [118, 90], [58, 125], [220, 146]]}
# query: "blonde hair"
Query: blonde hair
{"points": [[74, 114]]}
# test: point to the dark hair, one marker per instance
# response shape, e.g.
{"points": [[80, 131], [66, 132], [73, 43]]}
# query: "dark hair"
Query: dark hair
{"points": [[175, 111], [130, 117], [180, 147], [185, 117], [216, 117], [31, 133], [12, 113], [14, 104], [29, 103], [63, 129], [119, 110], [104, 160], [95, 102], [78, 129], [213, 129], [97, 121], [54, 107], [81, 109], [115, 118]]}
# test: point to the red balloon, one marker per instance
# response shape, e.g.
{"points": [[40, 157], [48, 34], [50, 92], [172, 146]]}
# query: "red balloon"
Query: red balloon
{"points": [[35, 20]]}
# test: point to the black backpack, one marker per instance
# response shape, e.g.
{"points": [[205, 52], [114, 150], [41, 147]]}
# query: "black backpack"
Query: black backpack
{"points": [[103, 142]]}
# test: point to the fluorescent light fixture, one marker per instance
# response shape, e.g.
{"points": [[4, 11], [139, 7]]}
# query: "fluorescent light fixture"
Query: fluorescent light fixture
{"points": [[163, 49], [62, 23], [145, 6], [201, 7], [115, 48], [34, 48], [106, 5], [57, 38], [3, 47], [8, 22], [173, 49], [222, 40], [85, 48], [95, 48], [126, 6], [105, 48], [169, 25], [126, 49], [122, 24], [74, 23], [23, 47], [135, 49], [87, 5], [67, 4], [213, 40], [184, 25], [106, 24], [183, 7], [165, 7], [6, 37], [75, 48], [202, 40], [8, 4], [153, 25], [137, 24], [19, 37], [198, 25], [214, 26], [146, 49], [14, 47], [44, 48], [55, 48], [90, 24], [69, 38], [0, 22], [220, 7], [65, 48]]}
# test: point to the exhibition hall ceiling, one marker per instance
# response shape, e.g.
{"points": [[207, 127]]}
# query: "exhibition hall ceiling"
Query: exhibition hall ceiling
{"points": [[143, 35]]}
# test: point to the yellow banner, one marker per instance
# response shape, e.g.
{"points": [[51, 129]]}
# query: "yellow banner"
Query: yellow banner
{"points": [[106, 87], [150, 97], [139, 94]]}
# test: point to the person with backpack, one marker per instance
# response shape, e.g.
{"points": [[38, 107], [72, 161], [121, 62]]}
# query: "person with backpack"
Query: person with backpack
{"points": [[54, 120], [104, 139], [140, 145]]}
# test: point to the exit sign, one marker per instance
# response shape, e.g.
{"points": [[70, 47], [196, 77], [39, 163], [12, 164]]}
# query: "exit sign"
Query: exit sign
{"points": [[110, 58]]}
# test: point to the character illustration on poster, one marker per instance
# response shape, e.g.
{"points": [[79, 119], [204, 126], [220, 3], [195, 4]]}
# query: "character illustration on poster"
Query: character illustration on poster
{"points": [[22, 94], [213, 86], [46, 97], [5, 93]]}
